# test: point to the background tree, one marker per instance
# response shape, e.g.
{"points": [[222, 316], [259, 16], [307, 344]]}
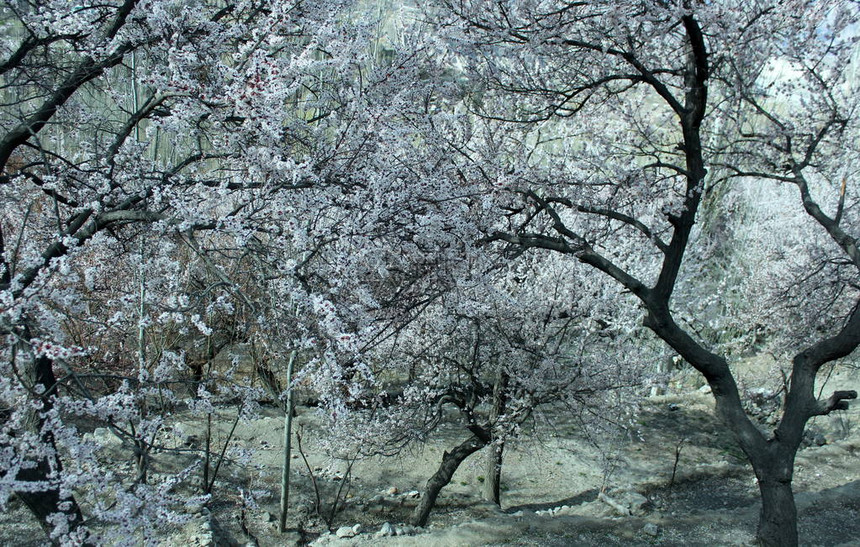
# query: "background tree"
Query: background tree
{"points": [[131, 126]]}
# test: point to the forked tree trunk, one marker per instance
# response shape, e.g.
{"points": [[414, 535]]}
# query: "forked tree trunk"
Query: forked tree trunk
{"points": [[450, 462]]}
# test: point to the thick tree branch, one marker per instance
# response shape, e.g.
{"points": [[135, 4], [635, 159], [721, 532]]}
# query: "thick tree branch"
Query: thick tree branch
{"points": [[835, 347], [845, 241], [29, 44], [837, 401], [87, 70], [648, 76]]}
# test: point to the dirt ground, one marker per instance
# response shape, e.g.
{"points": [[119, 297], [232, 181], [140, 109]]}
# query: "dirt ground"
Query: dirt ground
{"points": [[678, 475]]}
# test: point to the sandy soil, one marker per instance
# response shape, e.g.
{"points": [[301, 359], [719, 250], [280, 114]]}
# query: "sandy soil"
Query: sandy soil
{"points": [[551, 480]]}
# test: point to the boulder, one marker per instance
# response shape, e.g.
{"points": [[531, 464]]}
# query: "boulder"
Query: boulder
{"points": [[651, 529], [345, 532], [385, 530]]}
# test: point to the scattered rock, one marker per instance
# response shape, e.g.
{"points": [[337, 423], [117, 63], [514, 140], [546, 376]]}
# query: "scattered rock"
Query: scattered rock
{"points": [[706, 389], [405, 530], [656, 391], [413, 494], [813, 436], [392, 491], [651, 529], [562, 510], [635, 502], [345, 532], [619, 508], [385, 530], [358, 528]]}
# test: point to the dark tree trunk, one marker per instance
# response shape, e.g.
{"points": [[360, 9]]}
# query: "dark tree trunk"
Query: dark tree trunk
{"points": [[774, 469], [450, 462], [492, 484], [46, 500], [777, 524]]}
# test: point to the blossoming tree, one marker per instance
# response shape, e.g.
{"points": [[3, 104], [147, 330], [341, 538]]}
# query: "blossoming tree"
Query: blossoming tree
{"points": [[650, 113]]}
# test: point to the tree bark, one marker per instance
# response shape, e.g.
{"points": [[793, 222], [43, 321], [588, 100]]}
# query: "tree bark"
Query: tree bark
{"points": [[450, 462], [492, 483], [288, 428], [47, 501], [777, 524]]}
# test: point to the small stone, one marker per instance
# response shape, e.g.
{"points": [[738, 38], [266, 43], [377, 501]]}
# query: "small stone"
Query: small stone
{"points": [[385, 530], [413, 494], [635, 501], [705, 389], [379, 498], [358, 528], [518, 514], [345, 532], [392, 491], [673, 407], [268, 516], [651, 529], [405, 530]]}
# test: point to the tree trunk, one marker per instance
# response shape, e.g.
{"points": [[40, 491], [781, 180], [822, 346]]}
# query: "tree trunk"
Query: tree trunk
{"points": [[777, 524], [450, 462], [492, 484], [288, 428], [46, 500], [774, 469]]}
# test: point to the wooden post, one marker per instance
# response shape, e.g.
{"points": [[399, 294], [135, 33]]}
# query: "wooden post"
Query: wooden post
{"points": [[288, 426]]}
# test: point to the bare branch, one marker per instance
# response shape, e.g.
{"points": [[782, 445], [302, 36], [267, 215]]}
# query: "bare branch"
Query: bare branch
{"points": [[837, 401]]}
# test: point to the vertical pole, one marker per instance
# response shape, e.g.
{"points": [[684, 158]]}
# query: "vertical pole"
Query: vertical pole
{"points": [[288, 426]]}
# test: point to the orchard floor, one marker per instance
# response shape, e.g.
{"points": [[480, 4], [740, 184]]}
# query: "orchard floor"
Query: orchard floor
{"points": [[551, 479]]}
